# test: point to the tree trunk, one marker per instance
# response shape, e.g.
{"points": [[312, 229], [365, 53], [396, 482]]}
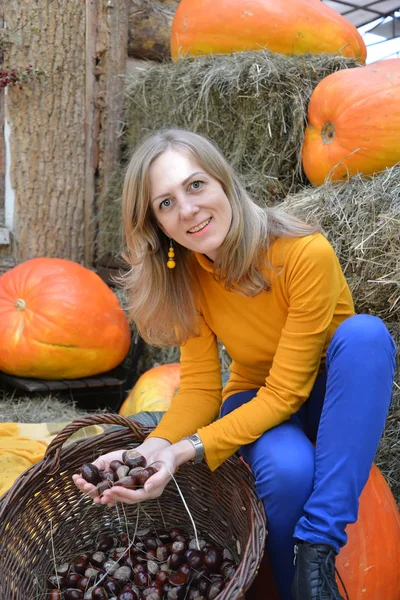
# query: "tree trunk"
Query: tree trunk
{"points": [[150, 28], [48, 127], [64, 134]]}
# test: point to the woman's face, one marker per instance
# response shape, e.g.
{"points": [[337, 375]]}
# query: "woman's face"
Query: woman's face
{"points": [[189, 204]]}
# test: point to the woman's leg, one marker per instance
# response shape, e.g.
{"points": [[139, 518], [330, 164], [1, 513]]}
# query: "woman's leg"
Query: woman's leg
{"points": [[360, 369], [282, 461]]}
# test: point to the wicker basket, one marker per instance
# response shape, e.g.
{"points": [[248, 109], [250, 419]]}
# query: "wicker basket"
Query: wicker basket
{"points": [[45, 519]]}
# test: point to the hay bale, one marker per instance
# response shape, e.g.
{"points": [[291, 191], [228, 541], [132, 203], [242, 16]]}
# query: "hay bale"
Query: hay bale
{"points": [[361, 218], [388, 455], [253, 104]]}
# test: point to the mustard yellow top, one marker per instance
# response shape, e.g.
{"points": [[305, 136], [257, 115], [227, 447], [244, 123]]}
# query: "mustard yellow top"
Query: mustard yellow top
{"points": [[277, 341]]}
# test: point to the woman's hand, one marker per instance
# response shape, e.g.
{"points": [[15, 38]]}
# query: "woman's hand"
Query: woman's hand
{"points": [[166, 461], [159, 453], [103, 462]]}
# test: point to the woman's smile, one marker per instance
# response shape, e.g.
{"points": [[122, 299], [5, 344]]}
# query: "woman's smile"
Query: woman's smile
{"points": [[200, 228]]}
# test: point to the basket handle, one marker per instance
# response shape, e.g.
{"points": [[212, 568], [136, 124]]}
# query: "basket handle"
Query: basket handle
{"points": [[52, 454]]}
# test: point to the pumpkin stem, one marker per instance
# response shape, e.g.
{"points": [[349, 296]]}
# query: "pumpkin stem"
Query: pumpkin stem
{"points": [[20, 304], [328, 133]]}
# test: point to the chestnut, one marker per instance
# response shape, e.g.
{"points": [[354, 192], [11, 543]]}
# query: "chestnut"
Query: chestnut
{"points": [[108, 475], [79, 564], [175, 531], [177, 578], [123, 574], [174, 560], [133, 458], [90, 473], [115, 464], [103, 486], [128, 482], [195, 559], [73, 594], [55, 594], [212, 559], [111, 586], [142, 579], [98, 559], [62, 570], [161, 577], [215, 588], [150, 591], [105, 544], [121, 472], [162, 553], [179, 547], [151, 543], [128, 595], [152, 567], [144, 475], [55, 581], [83, 584], [98, 593], [72, 579], [185, 569], [177, 593]]}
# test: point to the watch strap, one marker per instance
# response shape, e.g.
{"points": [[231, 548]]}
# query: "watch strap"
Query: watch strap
{"points": [[198, 448]]}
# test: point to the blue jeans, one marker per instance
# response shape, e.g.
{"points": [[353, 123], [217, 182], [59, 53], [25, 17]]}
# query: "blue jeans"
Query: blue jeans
{"points": [[311, 492]]}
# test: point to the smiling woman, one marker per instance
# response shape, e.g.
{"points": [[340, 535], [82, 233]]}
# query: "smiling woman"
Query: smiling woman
{"points": [[310, 382]]}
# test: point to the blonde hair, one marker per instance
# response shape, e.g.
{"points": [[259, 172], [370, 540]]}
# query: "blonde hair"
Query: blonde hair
{"points": [[163, 302]]}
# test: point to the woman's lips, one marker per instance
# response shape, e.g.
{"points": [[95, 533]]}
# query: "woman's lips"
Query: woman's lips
{"points": [[200, 227]]}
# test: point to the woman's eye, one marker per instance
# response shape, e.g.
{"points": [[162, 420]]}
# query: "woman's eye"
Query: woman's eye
{"points": [[196, 185], [165, 203]]}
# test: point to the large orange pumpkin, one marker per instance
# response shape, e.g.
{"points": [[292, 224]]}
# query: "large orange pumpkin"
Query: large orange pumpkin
{"points": [[59, 320], [288, 27], [353, 123], [369, 564], [153, 390]]}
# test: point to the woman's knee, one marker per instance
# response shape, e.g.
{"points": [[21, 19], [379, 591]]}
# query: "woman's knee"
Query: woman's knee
{"points": [[283, 465], [365, 329]]}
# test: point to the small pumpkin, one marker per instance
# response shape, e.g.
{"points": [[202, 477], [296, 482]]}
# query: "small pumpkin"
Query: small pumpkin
{"points": [[59, 320], [153, 391], [295, 27], [353, 123]]}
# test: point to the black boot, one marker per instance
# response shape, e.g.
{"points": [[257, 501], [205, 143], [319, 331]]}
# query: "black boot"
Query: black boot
{"points": [[314, 577]]}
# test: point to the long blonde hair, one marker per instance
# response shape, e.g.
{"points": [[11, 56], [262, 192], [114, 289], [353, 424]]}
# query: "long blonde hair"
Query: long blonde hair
{"points": [[163, 302]]}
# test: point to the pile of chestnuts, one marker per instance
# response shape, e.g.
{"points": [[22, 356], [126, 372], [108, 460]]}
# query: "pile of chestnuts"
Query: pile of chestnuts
{"points": [[155, 565], [158, 565]]}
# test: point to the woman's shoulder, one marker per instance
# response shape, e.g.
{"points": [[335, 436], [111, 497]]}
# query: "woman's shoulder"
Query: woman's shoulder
{"points": [[285, 249]]}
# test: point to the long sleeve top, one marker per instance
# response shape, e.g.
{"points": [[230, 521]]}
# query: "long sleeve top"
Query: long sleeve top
{"points": [[277, 341]]}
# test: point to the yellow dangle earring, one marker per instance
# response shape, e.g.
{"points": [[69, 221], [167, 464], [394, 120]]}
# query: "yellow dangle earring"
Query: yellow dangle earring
{"points": [[171, 255]]}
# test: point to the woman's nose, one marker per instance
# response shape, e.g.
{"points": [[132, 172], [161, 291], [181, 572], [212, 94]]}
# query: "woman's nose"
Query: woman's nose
{"points": [[188, 207]]}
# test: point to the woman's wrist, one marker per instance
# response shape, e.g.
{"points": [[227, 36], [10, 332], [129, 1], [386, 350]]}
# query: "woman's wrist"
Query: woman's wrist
{"points": [[184, 452], [152, 444]]}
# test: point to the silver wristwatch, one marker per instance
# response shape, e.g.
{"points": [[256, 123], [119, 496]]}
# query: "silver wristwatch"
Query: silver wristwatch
{"points": [[198, 448]]}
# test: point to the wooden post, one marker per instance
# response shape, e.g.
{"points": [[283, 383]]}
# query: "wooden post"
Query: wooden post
{"points": [[91, 142]]}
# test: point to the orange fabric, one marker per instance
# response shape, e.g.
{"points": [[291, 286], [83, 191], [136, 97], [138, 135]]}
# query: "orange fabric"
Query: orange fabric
{"points": [[277, 342]]}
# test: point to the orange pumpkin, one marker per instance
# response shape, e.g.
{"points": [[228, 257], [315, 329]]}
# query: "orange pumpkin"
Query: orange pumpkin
{"points": [[295, 27], [153, 390], [59, 320], [353, 123], [369, 564]]}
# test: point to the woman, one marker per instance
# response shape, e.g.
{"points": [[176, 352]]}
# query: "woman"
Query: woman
{"points": [[310, 383]]}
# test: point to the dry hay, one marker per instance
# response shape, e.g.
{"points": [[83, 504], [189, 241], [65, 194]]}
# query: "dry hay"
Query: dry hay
{"points": [[361, 218], [38, 409], [388, 455], [252, 104]]}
